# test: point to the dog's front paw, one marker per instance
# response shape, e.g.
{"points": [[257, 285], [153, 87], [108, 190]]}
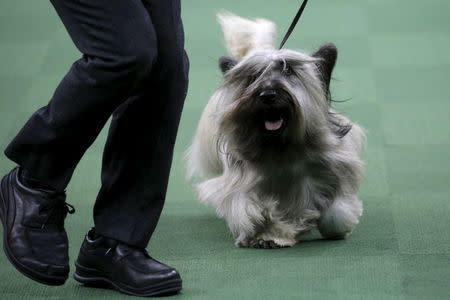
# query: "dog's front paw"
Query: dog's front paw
{"points": [[266, 244], [261, 244]]}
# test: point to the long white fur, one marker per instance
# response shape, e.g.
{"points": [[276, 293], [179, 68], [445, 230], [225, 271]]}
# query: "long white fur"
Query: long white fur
{"points": [[237, 194], [244, 35]]}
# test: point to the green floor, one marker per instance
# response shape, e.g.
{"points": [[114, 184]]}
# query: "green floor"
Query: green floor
{"points": [[394, 66]]}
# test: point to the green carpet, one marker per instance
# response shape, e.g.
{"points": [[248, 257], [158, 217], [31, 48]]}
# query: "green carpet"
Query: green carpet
{"points": [[394, 66]]}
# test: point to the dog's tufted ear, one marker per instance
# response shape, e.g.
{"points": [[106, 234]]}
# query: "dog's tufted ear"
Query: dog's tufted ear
{"points": [[226, 63], [328, 55]]}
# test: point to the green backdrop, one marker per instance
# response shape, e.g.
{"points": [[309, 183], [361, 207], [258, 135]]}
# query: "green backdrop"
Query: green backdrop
{"points": [[393, 66]]}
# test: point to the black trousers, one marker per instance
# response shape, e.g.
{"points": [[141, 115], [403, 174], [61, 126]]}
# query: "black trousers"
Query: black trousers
{"points": [[134, 68]]}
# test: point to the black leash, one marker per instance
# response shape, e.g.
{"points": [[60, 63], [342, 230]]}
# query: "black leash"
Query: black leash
{"points": [[294, 22]]}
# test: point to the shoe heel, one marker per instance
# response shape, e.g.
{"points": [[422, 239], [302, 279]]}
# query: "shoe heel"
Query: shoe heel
{"points": [[88, 276]]}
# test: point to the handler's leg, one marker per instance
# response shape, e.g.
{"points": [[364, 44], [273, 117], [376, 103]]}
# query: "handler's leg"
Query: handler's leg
{"points": [[118, 43], [138, 153], [136, 165]]}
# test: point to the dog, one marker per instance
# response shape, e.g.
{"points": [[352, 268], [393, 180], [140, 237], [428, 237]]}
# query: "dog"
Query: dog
{"points": [[273, 158]]}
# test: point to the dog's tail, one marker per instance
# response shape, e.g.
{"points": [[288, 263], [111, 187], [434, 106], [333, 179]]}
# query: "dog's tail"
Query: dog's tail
{"points": [[243, 35]]}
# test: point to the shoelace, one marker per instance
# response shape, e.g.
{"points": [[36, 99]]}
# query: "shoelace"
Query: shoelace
{"points": [[58, 212]]}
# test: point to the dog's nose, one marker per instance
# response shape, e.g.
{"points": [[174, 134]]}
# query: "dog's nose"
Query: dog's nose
{"points": [[268, 96]]}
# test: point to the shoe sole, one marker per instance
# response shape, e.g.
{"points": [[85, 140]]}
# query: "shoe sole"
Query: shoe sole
{"points": [[93, 278], [32, 274]]}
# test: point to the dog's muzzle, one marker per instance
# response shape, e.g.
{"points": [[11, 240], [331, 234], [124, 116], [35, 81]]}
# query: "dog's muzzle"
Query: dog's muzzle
{"points": [[274, 109]]}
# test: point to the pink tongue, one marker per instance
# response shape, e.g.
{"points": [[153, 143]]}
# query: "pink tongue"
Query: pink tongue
{"points": [[273, 125]]}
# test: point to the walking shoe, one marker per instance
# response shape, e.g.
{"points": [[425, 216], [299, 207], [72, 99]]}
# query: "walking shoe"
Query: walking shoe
{"points": [[107, 262], [34, 238]]}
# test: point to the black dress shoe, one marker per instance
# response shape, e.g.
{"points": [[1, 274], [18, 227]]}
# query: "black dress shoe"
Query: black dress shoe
{"points": [[130, 270], [34, 238]]}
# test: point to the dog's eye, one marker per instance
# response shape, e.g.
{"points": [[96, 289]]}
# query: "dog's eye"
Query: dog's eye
{"points": [[254, 77], [287, 70]]}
